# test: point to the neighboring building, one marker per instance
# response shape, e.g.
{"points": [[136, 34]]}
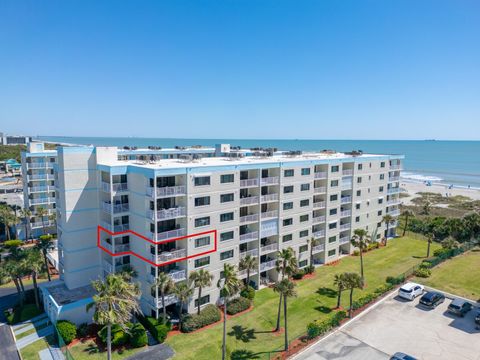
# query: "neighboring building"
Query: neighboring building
{"points": [[257, 205], [14, 139]]}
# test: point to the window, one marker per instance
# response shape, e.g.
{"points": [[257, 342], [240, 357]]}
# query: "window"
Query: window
{"points": [[380, 189], [302, 249], [203, 221], [306, 171], [334, 197], [288, 205], [360, 166], [202, 201], [287, 222], [303, 233], [380, 201], [357, 219], [204, 261], [332, 252], [227, 178], [335, 168], [332, 225], [359, 192], [382, 176], [303, 263], [332, 239], [226, 198], [226, 236], [303, 218], [382, 164], [379, 213], [334, 183], [226, 255], [288, 173], [359, 180], [357, 206], [202, 180], [287, 238], [202, 241], [288, 189], [203, 300], [226, 217], [333, 211], [304, 187], [304, 202]]}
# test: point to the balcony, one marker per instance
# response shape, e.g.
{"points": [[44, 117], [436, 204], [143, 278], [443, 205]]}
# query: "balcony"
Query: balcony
{"points": [[269, 248], [394, 190], [253, 253], [249, 237], [165, 256], [40, 165], [42, 200], [269, 214], [393, 212], [318, 248], [168, 191], [395, 167], [320, 175], [272, 180], [268, 197], [249, 200], [344, 240], [267, 265], [319, 234], [347, 185], [166, 214], [318, 219], [243, 273], [35, 189], [269, 228], [116, 187], [320, 190], [169, 234], [40, 177], [393, 202], [347, 172], [319, 205], [345, 226], [249, 183], [346, 199], [178, 275], [119, 248], [393, 178], [168, 299], [248, 218], [115, 208], [39, 224], [346, 213], [115, 228]]}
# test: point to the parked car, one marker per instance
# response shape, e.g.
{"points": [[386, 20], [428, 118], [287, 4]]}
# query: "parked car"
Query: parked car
{"points": [[410, 291], [432, 299], [402, 356], [459, 307], [477, 319]]}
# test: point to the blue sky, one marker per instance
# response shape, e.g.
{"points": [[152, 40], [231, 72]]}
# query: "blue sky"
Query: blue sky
{"points": [[241, 68]]}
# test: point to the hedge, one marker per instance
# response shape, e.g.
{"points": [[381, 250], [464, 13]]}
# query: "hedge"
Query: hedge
{"points": [[248, 292], [12, 243], [156, 327], [119, 335], [298, 275], [209, 315], [395, 280], [67, 330], [310, 269], [238, 305], [422, 272], [138, 336], [318, 328]]}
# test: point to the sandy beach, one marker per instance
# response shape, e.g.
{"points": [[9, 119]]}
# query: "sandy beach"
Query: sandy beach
{"points": [[415, 187]]}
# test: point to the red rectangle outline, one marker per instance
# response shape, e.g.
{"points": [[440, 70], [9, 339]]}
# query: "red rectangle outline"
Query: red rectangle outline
{"points": [[101, 228]]}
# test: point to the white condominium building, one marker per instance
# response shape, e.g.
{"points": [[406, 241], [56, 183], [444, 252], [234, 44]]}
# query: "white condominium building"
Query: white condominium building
{"points": [[180, 215]]}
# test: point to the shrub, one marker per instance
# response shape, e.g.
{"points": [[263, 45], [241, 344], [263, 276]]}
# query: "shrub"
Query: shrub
{"points": [[356, 252], [138, 336], [423, 272], [157, 328], [298, 275], [425, 265], [310, 269], [248, 292], [238, 305], [82, 330], [395, 280], [318, 328], [67, 330], [46, 237], [442, 253], [209, 315], [12, 243]]}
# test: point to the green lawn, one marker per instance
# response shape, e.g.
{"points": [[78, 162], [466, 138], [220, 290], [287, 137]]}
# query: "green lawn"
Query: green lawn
{"points": [[458, 276], [88, 350], [250, 335], [27, 312], [30, 352]]}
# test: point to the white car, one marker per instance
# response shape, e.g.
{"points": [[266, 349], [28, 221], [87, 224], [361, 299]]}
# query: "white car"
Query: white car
{"points": [[410, 291]]}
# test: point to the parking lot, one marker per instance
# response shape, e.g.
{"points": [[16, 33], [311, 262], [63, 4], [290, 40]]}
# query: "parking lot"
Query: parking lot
{"points": [[398, 325]]}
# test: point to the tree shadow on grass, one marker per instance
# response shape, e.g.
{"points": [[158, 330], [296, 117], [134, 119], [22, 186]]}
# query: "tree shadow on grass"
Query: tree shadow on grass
{"points": [[324, 291], [323, 309], [243, 355], [242, 334]]}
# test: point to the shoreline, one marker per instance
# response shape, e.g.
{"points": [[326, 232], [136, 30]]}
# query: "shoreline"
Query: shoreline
{"points": [[412, 188]]}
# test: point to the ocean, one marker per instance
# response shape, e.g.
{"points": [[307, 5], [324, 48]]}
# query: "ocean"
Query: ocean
{"points": [[444, 162]]}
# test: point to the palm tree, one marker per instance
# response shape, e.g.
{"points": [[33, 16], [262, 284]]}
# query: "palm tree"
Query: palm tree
{"points": [[114, 302], [312, 242], [426, 207], [183, 292], [339, 282], [471, 223], [35, 264], [248, 263], [44, 245], [361, 239], [6, 215], [42, 213], [430, 238], [388, 220], [26, 215], [14, 272], [229, 285], [200, 278], [352, 281], [286, 289], [407, 214], [286, 264], [164, 285]]}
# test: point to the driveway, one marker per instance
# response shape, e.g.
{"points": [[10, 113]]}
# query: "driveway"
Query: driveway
{"points": [[396, 325]]}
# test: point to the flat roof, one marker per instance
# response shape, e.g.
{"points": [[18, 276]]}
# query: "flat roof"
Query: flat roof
{"points": [[62, 295]]}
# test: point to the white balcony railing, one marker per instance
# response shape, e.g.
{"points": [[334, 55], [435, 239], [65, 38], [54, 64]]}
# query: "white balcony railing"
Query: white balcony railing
{"points": [[178, 275], [248, 182], [253, 252], [320, 190], [320, 175], [39, 224], [346, 213], [35, 189], [395, 167], [116, 187], [345, 226], [269, 248], [393, 178], [394, 212], [319, 234], [318, 248], [267, 265], [167, 300], [272, 180], [249, 218], [40, 165], [166, 214], [269, 214], [42, 200], [169, 255], [115, 208], [169, 234], [168, 191], [347, 185], [319, 219], [393, 201], [394, 190], [346, 199], [249, 200], [344, 240], [269, 197], [40, 177], [319, 205], [115, 228], [347, 172], [249, 236]]}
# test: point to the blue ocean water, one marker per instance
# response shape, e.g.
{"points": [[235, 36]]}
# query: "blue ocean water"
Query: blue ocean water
{"points": [[448, 162]]}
